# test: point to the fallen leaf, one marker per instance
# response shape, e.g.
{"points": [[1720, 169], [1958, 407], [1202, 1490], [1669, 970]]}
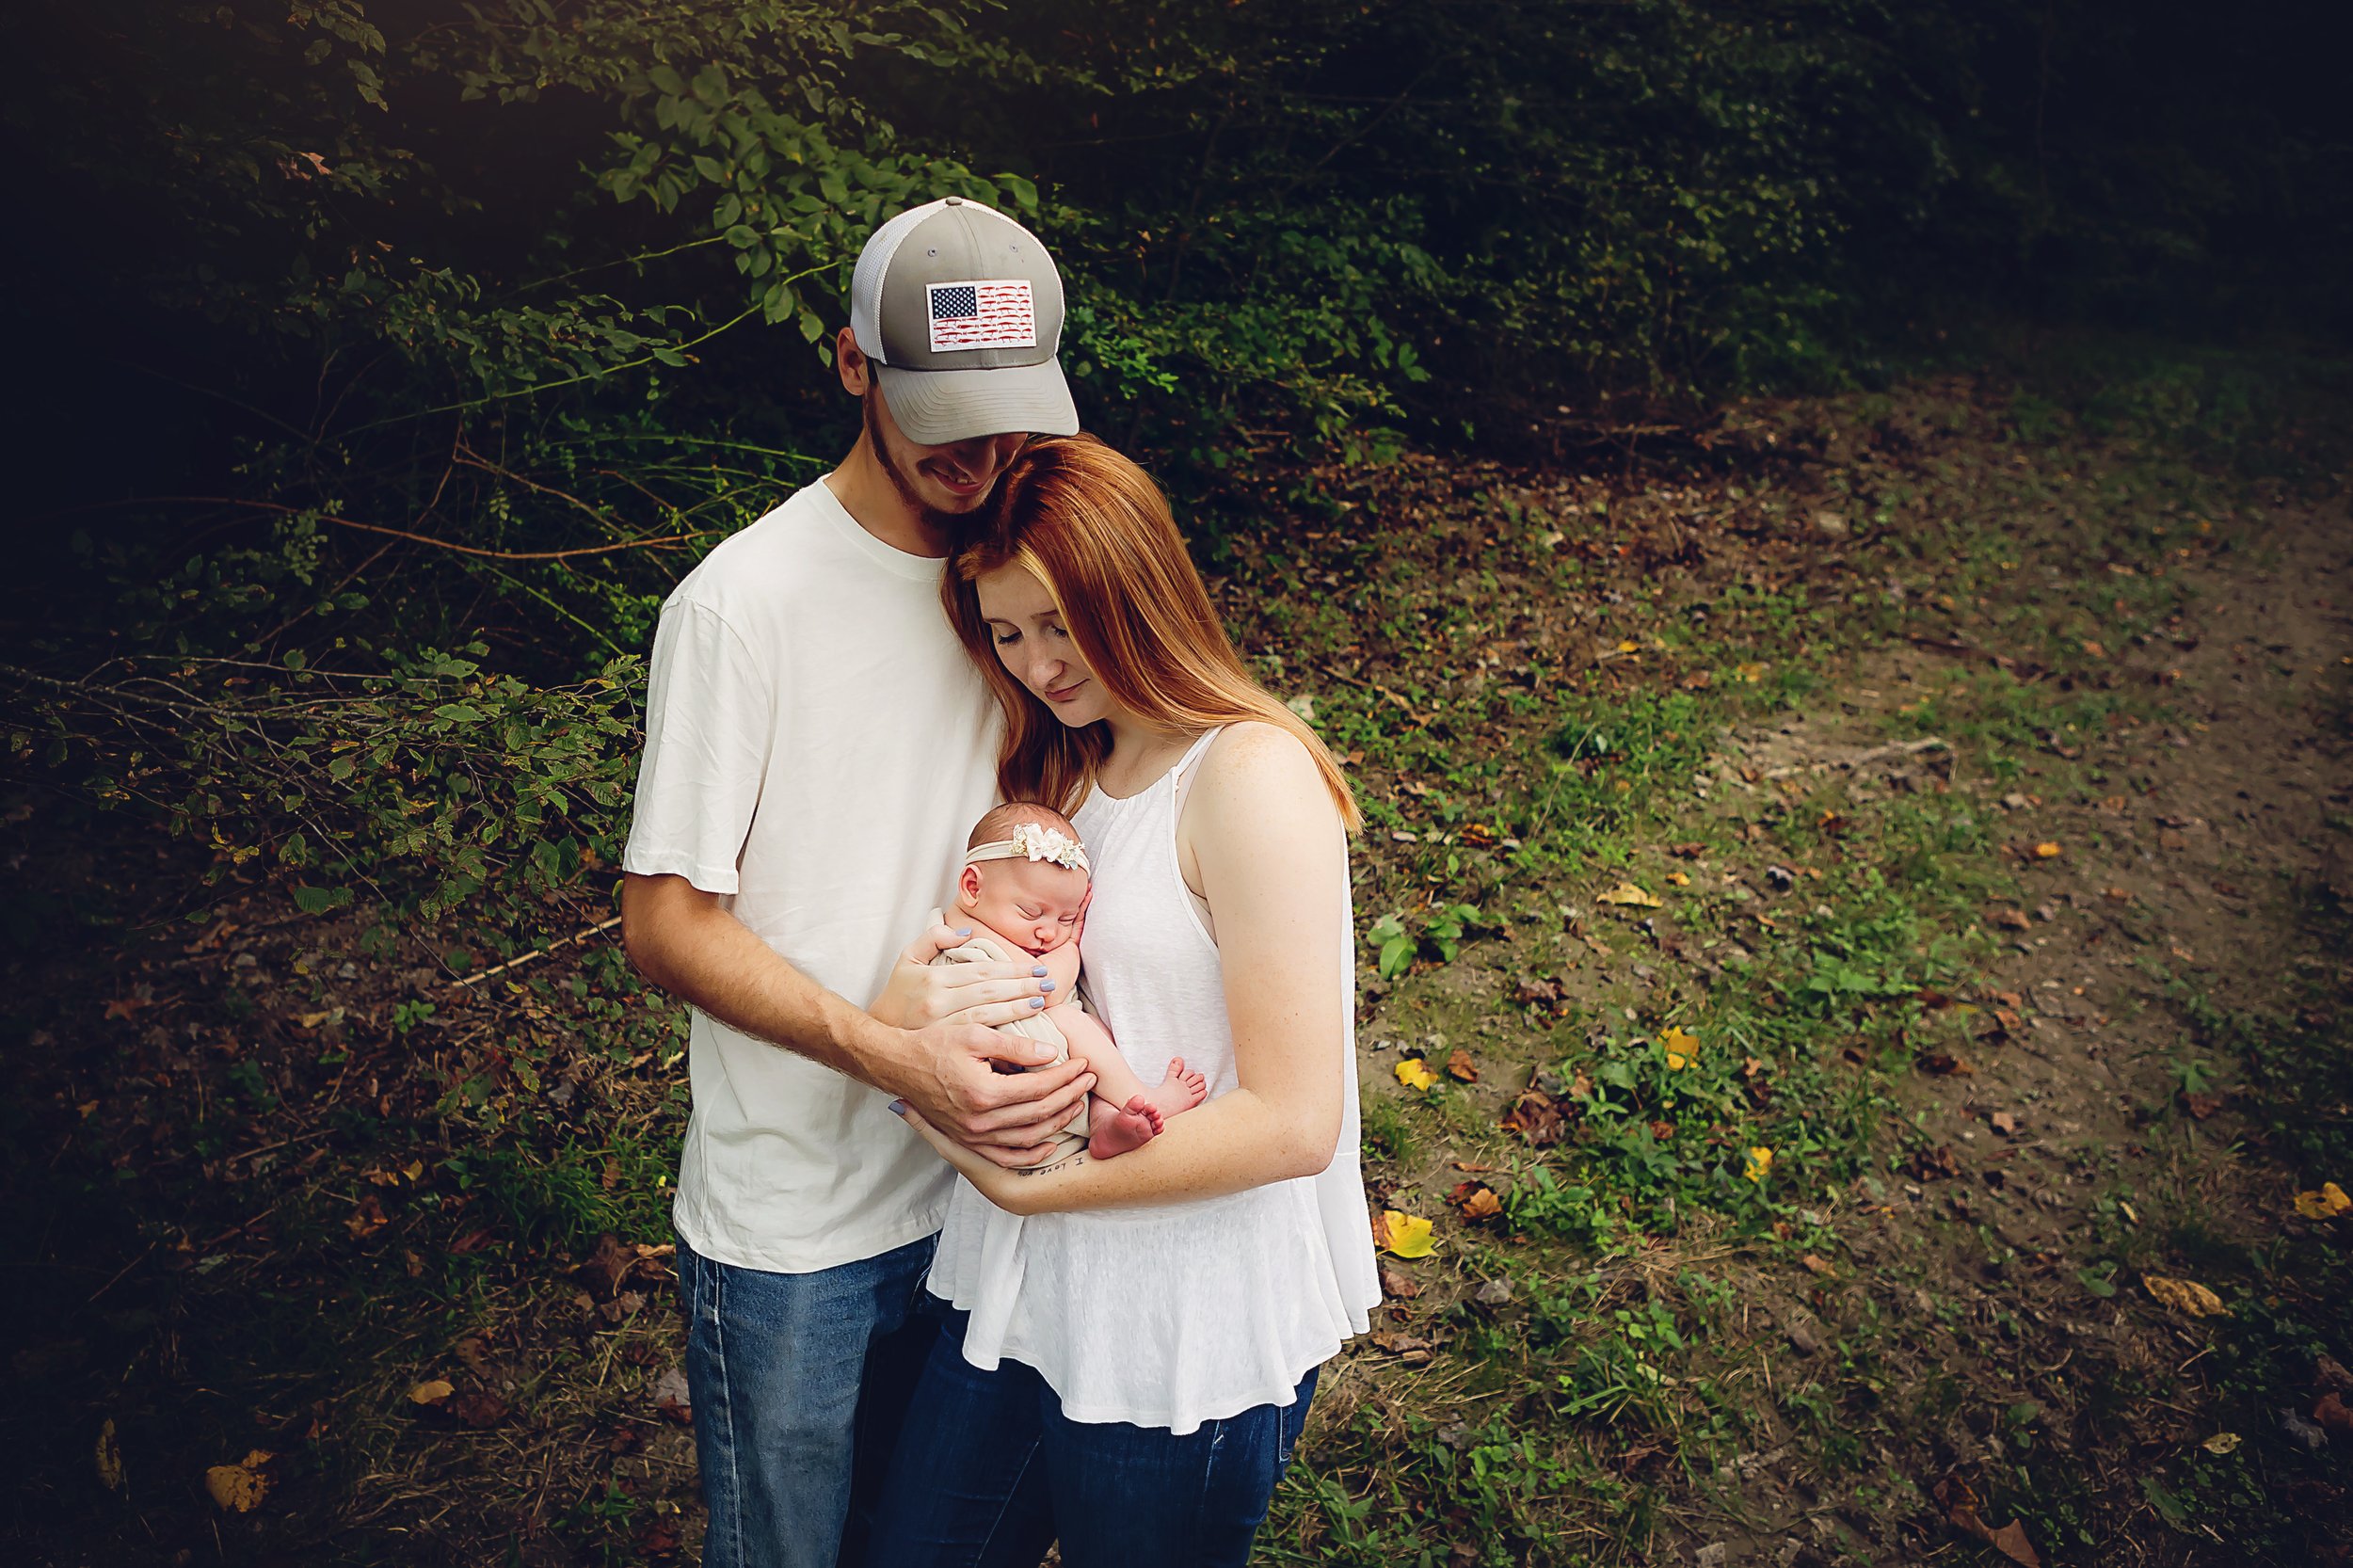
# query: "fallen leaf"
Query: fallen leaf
{"points": [[2046, 851], [1680, 879], [1679, 1045], [1397, 1285], [2331, 1413], [1960, 1504], [125, 1007], [365, 1218], [479, 1409], [1819, 1268], [239, 1488], [2203, 1105], [606, 1266], [1476, 1201], [1403, 1235], [1942, 1065], [2186, 1296], [658, 1538], [1759, 1165], [109, 1457], [431, 1392], [1531, 992], [2003, 1123], [1415, 1073], [1536, 1117], [2222, 1443], [1627, 893], [1460, 1068], [672, 1398], [2327, 1204]]}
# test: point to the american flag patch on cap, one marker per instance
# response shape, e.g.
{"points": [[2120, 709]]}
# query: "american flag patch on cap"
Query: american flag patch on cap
{"points": [[991, 313]]}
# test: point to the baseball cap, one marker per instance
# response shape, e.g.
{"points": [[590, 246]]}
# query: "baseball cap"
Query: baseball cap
{"points": [[960, 310]]}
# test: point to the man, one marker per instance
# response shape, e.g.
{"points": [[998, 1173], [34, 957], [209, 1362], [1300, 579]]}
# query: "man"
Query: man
{"points": [[817, 745]]}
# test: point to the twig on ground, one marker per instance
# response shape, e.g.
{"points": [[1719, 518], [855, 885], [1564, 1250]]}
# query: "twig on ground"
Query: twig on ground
{"points": [[517, 962]]}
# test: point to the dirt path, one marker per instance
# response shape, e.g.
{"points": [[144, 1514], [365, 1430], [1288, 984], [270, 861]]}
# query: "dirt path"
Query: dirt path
{"points": [[2102, 1122]]}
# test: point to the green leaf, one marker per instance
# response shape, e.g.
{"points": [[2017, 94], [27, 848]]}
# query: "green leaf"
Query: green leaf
{"points": [[458, 713], [318, 901]]}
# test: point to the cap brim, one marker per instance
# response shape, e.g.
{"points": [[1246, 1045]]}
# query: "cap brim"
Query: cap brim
{"points": [[933, 407]]}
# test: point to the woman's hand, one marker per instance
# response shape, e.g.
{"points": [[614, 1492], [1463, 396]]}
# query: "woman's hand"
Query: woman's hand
{"points": [[920, 993], [1000, 1186]]}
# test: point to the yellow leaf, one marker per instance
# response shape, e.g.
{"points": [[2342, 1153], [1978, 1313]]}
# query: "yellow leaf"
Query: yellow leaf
{"points": [[239, 1487], [109, 1458], [1676, 1061], [2327, 1204], [1678, 879], [1750, 673], [1627, 892], [432, 1391], [1405, 1236], [1415, 1073], [1760, 1163], [1630, 647], [2221, 1443], [2046, 851], [2186, 1296], [1679, 1039]]}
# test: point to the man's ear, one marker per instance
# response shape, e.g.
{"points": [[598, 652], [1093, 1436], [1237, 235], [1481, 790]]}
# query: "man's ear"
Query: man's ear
{"points": [[858, 373], [968, 886]]}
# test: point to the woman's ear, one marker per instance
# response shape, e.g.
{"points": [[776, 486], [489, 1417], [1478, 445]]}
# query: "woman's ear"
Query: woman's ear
{"points": [[968, 886]]}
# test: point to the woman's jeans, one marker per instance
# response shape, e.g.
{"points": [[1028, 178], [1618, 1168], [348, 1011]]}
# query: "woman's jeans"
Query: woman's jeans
{"points": [[800, 1383], [989, 1470]]}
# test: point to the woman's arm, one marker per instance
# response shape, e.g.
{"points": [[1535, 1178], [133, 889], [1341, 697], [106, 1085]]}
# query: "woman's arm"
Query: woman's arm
{"points": [[1267, 840]]}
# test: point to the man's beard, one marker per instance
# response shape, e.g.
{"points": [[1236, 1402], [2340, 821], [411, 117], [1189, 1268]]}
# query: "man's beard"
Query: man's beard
{"points": [[950, 525]]}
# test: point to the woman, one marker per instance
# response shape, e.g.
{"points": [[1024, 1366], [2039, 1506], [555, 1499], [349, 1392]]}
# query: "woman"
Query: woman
{"points": [[1138, 1338]]}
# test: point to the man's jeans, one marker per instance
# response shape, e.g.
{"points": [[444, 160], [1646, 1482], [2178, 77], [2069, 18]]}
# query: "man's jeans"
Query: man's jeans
{"points": [[800, 1383]]}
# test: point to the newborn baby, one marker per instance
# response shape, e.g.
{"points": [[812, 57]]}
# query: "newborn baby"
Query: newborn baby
{"points": [[1023, 888]]}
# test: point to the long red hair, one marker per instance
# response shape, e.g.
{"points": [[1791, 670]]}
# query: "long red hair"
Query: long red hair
{"points": [[1094, 530]]}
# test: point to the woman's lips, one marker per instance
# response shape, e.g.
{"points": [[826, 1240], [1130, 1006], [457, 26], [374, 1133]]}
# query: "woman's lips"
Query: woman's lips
{"points": [[1064, 694]]}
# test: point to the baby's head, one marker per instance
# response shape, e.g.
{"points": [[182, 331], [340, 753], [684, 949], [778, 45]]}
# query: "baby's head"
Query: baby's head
{"points": [[1034, 893]]}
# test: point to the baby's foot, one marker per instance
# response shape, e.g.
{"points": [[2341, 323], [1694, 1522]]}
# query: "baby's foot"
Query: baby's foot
{"points": [[1123, 1130], [1180, 1091]]}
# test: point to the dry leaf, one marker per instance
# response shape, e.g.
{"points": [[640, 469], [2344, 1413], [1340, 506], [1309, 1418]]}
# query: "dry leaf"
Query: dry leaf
{"points": [[2331, 1413], [431, 1392], [2046, 851], [365, 1218], [1402, 1235], [1760, 1163], [1415, 1073], [1460, 1068], [1398, 1286], [2327, 1204], [1818, 1267], [240, 1487], [1627, 893], [109, 1457], [2003, 1123], [1680, 879], [479, 1409], [1476, 1201], [2222, 1443], [2186, 1296]]}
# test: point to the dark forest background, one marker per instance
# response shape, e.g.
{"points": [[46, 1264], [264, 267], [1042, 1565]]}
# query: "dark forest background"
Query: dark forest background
{"points": [[378, 367]]}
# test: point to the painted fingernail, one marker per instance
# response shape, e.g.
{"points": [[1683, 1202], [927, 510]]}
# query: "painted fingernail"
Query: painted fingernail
{"points": [[898, 1108], [1039, 971], [1045, 985], [1037, 1001], [967, 931]]}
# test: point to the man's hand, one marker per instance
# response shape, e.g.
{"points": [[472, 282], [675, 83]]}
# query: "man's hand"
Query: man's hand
{"points": [[920, 993], [948, 1073]]}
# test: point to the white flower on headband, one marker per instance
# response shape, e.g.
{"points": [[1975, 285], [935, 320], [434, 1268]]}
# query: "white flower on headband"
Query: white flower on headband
{"points": [[1041, 843]]}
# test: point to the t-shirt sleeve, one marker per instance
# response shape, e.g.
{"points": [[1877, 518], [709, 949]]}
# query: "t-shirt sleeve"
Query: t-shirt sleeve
{"points": [[709, 731]]}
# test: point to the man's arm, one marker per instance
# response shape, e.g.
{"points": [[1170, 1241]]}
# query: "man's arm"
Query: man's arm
{"points": [[680, 938]]}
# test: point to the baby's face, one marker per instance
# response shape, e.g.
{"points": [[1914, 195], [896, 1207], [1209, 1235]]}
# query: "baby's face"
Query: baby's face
{"points": [[1035, 902]]}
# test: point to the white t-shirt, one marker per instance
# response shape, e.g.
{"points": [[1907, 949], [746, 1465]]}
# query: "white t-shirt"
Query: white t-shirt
{"points": [[817, 746]]}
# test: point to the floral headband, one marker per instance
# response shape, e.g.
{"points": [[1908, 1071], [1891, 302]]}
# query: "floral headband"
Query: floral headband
{"points": [[1034, 842]]}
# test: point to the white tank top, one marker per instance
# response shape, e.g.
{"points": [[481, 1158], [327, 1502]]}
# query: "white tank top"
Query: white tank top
{"points": [[1178, 1314]]}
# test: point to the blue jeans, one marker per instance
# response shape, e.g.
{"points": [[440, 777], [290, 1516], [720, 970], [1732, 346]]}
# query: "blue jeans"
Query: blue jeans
{"points": [[989, 1470], [799, 1384]]}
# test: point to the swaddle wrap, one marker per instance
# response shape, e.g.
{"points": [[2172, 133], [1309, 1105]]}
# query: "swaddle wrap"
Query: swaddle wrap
{"points": [[1041, 1027]]}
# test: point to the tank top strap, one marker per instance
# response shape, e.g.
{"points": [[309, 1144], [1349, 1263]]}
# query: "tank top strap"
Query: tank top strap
{"points": [[1182, 775]]}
